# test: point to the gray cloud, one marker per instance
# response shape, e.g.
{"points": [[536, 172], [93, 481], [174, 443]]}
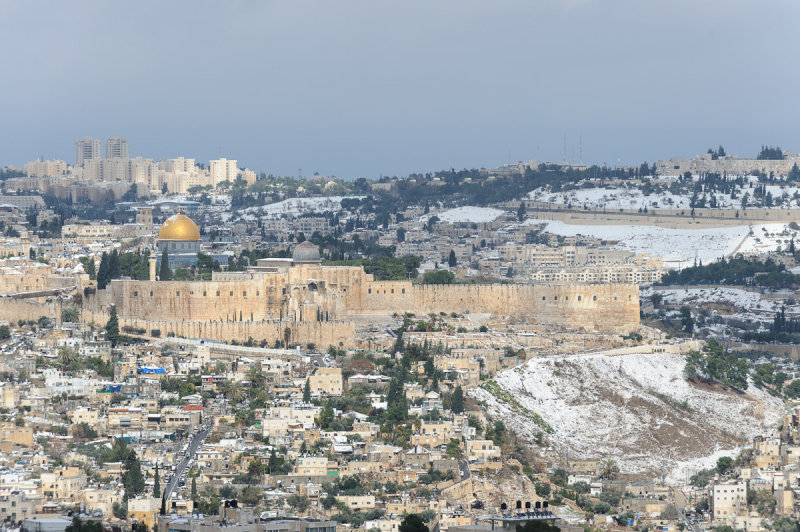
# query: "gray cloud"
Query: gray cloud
{"points": [[358, 88]]}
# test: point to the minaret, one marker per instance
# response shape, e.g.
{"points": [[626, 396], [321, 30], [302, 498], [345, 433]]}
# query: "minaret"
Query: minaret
{"points": [[151, 260]]}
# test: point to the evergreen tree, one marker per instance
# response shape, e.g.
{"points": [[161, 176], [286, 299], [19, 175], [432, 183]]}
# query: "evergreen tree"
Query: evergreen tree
{"points": [[112, 327], [451, 260], [91, 269], [132, 478], [194, 488], [430, 367], [326, 417], [114, 267], [413, 523], [794, 173], [102, 273], [307, 392], [156, 485], [457, 401], [273, 462], [521, 211], [164, 273]]}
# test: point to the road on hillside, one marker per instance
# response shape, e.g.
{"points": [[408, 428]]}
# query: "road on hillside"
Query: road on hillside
{"points": [[186, 458], [691, 526], [463, 466]]}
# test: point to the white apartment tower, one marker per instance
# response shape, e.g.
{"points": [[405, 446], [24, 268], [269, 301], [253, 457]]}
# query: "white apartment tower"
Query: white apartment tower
{"points": [[222, 170], [117, 148], [86, 149]]}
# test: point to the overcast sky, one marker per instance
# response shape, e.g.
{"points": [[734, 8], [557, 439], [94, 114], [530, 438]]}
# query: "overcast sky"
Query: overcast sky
{"points": [[363, 88]]}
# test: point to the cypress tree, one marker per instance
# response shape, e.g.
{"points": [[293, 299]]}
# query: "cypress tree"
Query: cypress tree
{"points": [[132, 478], [91, 269], [457, 401], [165, 274], [102, 273], [307, 392], [114, 266], [156, 485], [112, 327]]}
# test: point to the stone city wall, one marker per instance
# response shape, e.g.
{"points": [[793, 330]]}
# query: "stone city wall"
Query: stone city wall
{"points": [[593, 306], [321, 334], [15, 282], [14, 310]]}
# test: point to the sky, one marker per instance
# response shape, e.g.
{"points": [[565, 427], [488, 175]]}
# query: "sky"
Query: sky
{"points": [[364, 88]]}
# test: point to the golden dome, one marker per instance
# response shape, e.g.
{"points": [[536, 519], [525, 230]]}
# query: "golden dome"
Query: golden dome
{"points": [[179, 227]]}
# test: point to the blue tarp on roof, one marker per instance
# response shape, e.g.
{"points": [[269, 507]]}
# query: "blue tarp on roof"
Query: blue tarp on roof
{"points": [[148, 371]]}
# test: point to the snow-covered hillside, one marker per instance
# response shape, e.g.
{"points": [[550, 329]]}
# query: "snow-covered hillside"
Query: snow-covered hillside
{"points": [[636, 409], [678, 247], [634, 198], [683, 247], [467, 214], [296, 206]]}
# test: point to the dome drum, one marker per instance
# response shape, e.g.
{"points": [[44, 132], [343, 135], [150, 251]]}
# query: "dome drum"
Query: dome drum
{"points": [[305, 252]]}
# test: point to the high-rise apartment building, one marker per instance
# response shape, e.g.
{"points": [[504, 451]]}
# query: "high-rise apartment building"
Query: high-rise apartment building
{"points": [[86, 149], [117, 148], [222, 170]]}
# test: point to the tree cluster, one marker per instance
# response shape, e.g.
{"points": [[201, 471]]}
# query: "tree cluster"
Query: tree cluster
{"points": [[714, 364]]}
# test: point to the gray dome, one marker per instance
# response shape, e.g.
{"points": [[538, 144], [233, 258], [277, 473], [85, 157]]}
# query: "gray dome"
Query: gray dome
{"points": [[305, 252]]}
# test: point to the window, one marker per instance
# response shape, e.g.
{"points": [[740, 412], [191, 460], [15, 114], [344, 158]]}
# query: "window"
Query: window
{"points": [[231, 293], [217, 293], [204, 293], [369, 290], [244, 293], [135, 293], [543, 298], [404, 291], [594, 298], [177, 292], [579, 298], [151, 293]]}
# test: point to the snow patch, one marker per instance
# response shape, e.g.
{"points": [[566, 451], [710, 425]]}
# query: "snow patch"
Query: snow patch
{"points": [[467, 214], [636, 409]]}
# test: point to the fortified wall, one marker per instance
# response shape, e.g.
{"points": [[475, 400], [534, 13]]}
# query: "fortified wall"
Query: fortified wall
{"points": [[14, 281], [602, 307], [321, 334], [29, 309]]}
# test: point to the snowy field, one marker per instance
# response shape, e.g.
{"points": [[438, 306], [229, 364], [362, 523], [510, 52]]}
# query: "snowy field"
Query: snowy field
{"points": [[684, 247], [296, 206], [743, 299], [678, 247], [632, 198], [636, 409], [611, 198], [466, 215]]}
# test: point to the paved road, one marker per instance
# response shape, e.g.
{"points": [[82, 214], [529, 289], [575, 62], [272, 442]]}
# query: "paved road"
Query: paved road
{"points": [[690, 526], [463, 466], [186, 459]]}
